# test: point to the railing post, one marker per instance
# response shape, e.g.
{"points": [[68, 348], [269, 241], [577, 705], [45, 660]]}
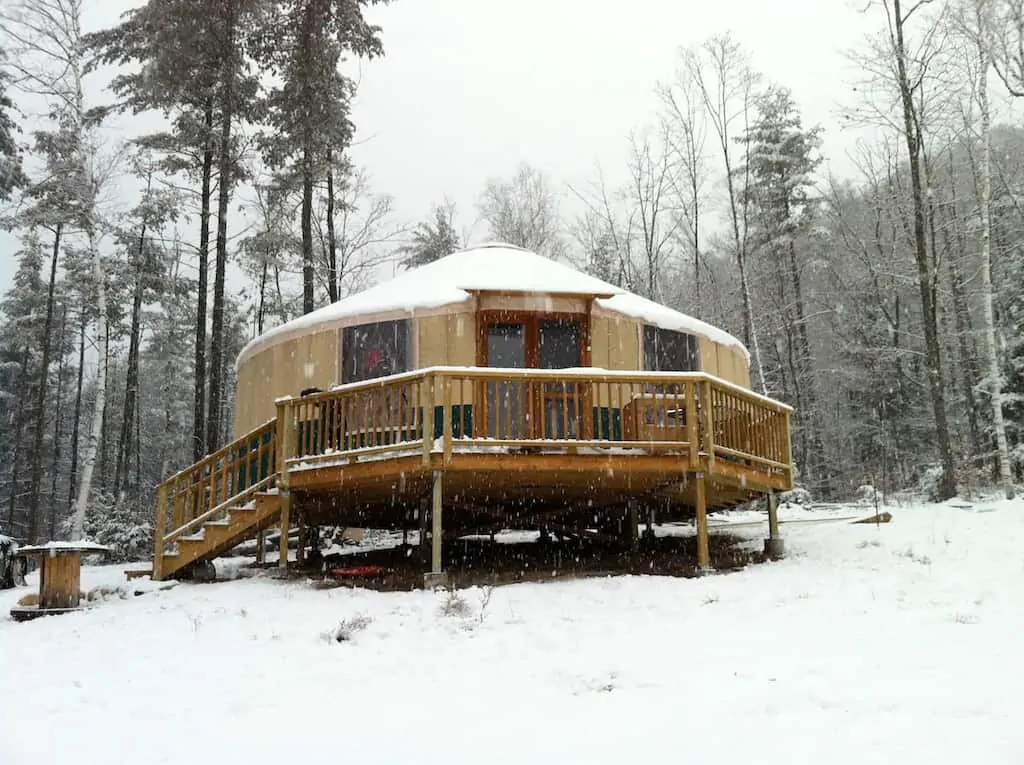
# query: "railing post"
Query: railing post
{"points": [[787, 447], [692, 427], [708, 436], [448, 416], [428, 396], [285, 450], [159, 531]]}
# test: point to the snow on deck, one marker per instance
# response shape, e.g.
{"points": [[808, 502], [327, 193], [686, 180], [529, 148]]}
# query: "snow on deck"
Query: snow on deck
{"points": [[898, 643]]}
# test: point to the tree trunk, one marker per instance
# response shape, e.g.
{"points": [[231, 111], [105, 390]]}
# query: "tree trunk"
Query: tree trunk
{"points": [[58, 421], [76, 423], [307, 229], [105, 439], [925, 267], [991, 349], [199, 399], [261, 305], [44, 373], [19, 424], [805, 366], [131, 387], [223, 199], [333, 287], [96, 434]]}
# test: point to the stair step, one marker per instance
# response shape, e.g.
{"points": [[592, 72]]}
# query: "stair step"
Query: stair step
{"points": [[222, 522]]}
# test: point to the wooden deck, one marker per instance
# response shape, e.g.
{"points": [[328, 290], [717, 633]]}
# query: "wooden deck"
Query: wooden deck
{"points": [[492, 447]]}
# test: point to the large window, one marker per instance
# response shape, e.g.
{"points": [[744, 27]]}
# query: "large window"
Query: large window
{"points": [[666, 350], [374, 350]]}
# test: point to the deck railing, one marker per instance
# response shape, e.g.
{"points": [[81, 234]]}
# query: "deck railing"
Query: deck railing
{"points": [[473, 409], [437, 412]]}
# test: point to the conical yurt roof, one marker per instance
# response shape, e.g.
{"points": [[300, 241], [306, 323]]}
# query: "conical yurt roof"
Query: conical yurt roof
{"points": [[496, 267]]}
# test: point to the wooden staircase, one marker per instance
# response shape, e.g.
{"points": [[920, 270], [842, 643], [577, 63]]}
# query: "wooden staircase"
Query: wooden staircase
{"points": [[222, 500], [254, 512]]}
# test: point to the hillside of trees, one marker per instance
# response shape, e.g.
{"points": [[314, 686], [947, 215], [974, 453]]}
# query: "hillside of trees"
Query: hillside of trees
{"points": [[886, 306]]}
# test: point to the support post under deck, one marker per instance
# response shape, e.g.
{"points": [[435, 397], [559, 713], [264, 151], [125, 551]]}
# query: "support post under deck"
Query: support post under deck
{"points": [[286, 522], [436, 577], [703, 551], [633, 527], [774, 547]]}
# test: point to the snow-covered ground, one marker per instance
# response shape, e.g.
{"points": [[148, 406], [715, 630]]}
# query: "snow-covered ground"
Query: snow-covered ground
{"points": [[898, 644]]}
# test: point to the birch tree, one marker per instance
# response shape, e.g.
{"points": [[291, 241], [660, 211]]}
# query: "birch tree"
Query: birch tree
{"points": [[974, 21], [48, 60]]}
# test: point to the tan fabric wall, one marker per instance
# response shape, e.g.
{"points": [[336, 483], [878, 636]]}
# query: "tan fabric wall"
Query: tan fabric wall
{"points": [[614, 344], [742, 369], [708, 356], [447, 341], [442, 340], [623, 344], [725, 361], [285, 369]]}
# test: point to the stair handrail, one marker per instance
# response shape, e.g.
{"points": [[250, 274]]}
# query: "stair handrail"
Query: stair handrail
{"points": [[227, 504]]}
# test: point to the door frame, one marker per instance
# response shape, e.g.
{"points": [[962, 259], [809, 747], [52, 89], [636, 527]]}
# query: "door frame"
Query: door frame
{"points": [[531, 321]]}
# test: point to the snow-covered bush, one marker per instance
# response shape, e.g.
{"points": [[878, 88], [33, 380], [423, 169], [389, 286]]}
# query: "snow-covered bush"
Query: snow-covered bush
{"points": [[346, 629], [930, 482], [127, 529], [1017, 459], [867, 494], [798, 496]]}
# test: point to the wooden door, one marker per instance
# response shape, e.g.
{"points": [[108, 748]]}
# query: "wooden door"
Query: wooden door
{"points": [[517, 410]]}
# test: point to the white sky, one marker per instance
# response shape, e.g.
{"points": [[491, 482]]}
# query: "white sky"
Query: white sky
{"points": [[470, 88]]}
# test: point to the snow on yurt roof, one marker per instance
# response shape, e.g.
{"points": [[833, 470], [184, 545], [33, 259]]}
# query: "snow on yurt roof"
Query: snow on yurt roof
{"points": [[494, 267]]}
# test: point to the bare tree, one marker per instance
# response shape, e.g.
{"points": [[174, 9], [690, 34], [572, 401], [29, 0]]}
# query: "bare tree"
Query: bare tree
{"points": [[364, 232], [605, 231], [720, 72], [686, 131], [523, 211], [651, 195], [908, 70], [1002, 22]]}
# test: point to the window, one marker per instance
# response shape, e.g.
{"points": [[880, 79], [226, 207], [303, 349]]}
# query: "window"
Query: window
{"points": [[374, 350], [666, 350]]}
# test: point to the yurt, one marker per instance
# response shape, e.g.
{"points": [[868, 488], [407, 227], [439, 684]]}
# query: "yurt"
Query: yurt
{"points": [[495, 305], [493, 388]]}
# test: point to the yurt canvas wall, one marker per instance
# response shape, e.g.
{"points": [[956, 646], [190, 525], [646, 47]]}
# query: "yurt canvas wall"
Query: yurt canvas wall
{"points": [[284, 369]]}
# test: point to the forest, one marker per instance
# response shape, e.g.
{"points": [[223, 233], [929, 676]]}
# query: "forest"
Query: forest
{"points": [[884, 306]]}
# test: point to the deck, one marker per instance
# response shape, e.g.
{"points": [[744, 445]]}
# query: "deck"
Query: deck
{"points": [[487, 448]]}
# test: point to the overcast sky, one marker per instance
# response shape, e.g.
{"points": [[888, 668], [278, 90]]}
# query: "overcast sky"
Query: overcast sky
{"points": [[470, 88]]}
